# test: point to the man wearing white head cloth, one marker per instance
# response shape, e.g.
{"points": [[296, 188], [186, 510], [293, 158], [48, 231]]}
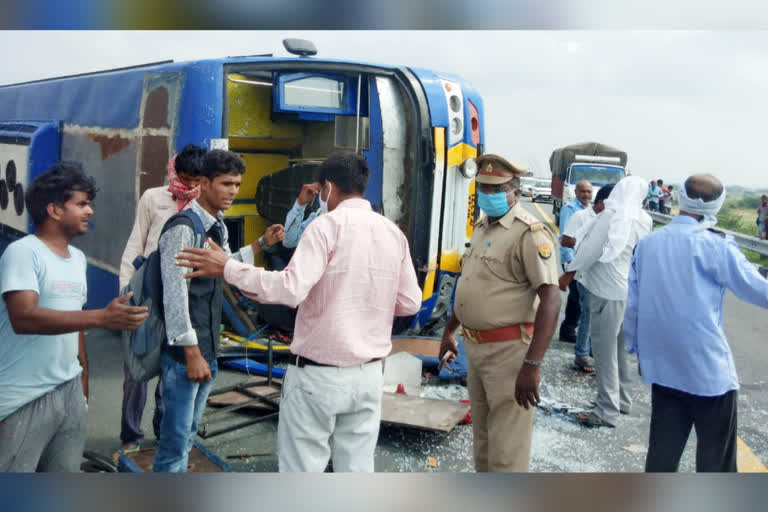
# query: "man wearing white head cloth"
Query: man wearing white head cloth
{"points": [[689, 363], [602, 261]]}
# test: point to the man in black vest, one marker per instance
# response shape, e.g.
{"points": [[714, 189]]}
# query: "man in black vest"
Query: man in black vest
{"points": [[193, 310]]}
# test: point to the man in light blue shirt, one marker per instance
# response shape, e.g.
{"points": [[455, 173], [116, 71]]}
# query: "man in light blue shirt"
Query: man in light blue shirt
{"points": [[295, 224], [572, 309], [294, 220], [43, 365], [654, 193], [689, 363]]}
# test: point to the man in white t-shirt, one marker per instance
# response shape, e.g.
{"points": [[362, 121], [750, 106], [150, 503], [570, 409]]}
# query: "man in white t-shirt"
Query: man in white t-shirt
{"points": [[577, 227], [43, 365]]}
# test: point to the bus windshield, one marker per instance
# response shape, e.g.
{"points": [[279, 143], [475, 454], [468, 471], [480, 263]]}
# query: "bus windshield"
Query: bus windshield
{"points": [[596, 174]]}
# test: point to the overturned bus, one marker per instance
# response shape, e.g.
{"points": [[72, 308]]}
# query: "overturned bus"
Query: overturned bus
{"points": [[415, 127]]}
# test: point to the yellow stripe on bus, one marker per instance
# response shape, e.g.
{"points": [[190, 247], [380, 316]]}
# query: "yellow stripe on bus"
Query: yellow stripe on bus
{"points": [[460, 152], [429, 282], [450, 262]]}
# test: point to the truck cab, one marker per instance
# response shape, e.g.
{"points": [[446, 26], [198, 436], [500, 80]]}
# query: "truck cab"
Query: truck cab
{"points": [[597, 163], [597, 174]]}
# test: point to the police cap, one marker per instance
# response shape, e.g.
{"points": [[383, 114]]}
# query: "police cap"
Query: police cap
{"points": [[495, 170]]}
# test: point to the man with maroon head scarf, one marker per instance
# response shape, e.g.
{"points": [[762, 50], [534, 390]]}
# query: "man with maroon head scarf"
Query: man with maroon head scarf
{"points": [[155, 207]]}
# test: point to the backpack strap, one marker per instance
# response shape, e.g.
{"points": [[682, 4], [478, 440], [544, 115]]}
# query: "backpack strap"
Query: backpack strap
{"points": [[191, 219], [197, 225]]}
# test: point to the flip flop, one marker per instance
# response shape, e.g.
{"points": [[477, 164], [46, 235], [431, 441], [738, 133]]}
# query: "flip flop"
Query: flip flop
{"points": [[583, 365]]}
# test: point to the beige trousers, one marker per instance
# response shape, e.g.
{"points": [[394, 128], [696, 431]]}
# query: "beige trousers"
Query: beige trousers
{"points": [[501, 429]]}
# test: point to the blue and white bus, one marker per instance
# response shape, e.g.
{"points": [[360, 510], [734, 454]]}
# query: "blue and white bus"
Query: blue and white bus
{"points": [[418, 129]]}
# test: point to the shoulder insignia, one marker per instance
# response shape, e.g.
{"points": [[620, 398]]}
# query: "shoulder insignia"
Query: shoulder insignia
{"points": [[527, 218], [717, 232], [538, 226], [544, 250]]}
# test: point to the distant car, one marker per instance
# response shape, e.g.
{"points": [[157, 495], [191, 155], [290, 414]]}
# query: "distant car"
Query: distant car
{"points": [[526, 186], [541, 191]]}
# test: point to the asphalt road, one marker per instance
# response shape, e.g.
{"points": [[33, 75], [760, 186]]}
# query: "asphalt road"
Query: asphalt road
{"points": [[558, 445]]}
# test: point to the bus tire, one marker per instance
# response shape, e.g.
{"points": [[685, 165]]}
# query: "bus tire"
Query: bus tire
{"points": [[97, 463]]}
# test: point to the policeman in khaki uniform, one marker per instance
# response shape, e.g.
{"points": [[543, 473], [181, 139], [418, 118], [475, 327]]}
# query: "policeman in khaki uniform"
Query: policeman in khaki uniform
{"points": [[507, 302]]}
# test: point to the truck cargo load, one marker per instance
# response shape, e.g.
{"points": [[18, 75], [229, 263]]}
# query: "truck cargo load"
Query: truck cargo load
{"points": [[598, 163]]}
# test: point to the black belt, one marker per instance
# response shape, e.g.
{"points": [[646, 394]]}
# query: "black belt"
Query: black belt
{"points": [[301, 362]]}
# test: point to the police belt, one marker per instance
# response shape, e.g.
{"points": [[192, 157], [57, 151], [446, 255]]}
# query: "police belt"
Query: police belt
{"points": [[511, 333]]}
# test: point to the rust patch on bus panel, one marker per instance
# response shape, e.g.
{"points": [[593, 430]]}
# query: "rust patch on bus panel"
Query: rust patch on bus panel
{"points": [[156, 108], [109, 144], [154, 161]]}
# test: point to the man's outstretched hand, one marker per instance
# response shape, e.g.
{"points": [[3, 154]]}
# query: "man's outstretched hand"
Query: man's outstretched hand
{"points": [[203, 262]]}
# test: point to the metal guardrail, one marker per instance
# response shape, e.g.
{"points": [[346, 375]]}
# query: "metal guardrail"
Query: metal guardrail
{"points": [[744, 241]]}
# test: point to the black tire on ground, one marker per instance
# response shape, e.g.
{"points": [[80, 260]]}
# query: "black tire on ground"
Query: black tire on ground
{"points": [[96, 463]]}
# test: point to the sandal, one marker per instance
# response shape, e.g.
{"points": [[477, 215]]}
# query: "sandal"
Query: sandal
{"points": [[130, 448], [590, 419], [583, 365]]}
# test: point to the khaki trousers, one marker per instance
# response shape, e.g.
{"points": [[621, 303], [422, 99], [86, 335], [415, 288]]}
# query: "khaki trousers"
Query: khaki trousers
{"points": [[501, 429]]}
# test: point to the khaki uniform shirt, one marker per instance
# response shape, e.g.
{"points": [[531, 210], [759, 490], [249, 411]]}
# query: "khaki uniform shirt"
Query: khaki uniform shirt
{"points": [[504, 265]]}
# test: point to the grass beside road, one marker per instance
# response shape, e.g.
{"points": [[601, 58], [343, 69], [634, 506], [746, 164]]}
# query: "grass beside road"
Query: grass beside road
{"points": [[735, 217]]}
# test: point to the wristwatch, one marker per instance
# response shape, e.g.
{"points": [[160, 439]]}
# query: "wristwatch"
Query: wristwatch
{"points": [[532, 362], [263, 246]]}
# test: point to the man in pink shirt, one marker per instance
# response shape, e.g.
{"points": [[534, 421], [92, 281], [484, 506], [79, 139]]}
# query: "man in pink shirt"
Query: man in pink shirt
{"points": [[352, 274]]}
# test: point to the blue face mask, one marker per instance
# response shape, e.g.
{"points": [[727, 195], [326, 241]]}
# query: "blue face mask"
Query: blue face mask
{"points": [[494, 205]]}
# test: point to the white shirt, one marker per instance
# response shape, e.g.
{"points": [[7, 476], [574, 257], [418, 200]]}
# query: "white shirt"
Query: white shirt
{"points": [[156, 206], [577, 222], [606, 280]]}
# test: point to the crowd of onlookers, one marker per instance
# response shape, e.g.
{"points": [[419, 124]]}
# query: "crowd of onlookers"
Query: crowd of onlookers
{"points": [[660, 198], [614, 259]]}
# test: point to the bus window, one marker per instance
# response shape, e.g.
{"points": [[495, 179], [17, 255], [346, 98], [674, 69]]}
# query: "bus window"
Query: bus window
{"points": [[313, 92]]}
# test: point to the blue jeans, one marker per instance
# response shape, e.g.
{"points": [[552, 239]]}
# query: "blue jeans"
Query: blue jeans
{"points": [[184, 402], [583, 343]]}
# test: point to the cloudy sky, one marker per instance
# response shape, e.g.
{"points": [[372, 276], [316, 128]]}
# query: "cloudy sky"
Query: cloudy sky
{"points": [[677, 101]]}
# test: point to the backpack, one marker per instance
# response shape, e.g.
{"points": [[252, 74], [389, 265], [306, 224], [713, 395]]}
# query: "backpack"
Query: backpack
{"points": [[143, 347]]}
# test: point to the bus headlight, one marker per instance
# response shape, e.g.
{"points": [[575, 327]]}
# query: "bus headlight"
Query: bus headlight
{"points": [[469, 168]]}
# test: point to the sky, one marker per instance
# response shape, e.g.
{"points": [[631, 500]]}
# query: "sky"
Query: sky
{"points": [[678, 102]]}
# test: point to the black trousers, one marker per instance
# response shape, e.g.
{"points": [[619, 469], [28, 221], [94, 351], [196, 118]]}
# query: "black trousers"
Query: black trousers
{"points": [[673, 413], [572, 312]]}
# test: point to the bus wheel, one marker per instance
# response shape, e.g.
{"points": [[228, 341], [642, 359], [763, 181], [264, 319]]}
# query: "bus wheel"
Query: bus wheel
{"points": [[96, 463]]}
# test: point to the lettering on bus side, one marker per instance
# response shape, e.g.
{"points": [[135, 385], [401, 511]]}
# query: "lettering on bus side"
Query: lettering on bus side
{"points": [[471, 210]]}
